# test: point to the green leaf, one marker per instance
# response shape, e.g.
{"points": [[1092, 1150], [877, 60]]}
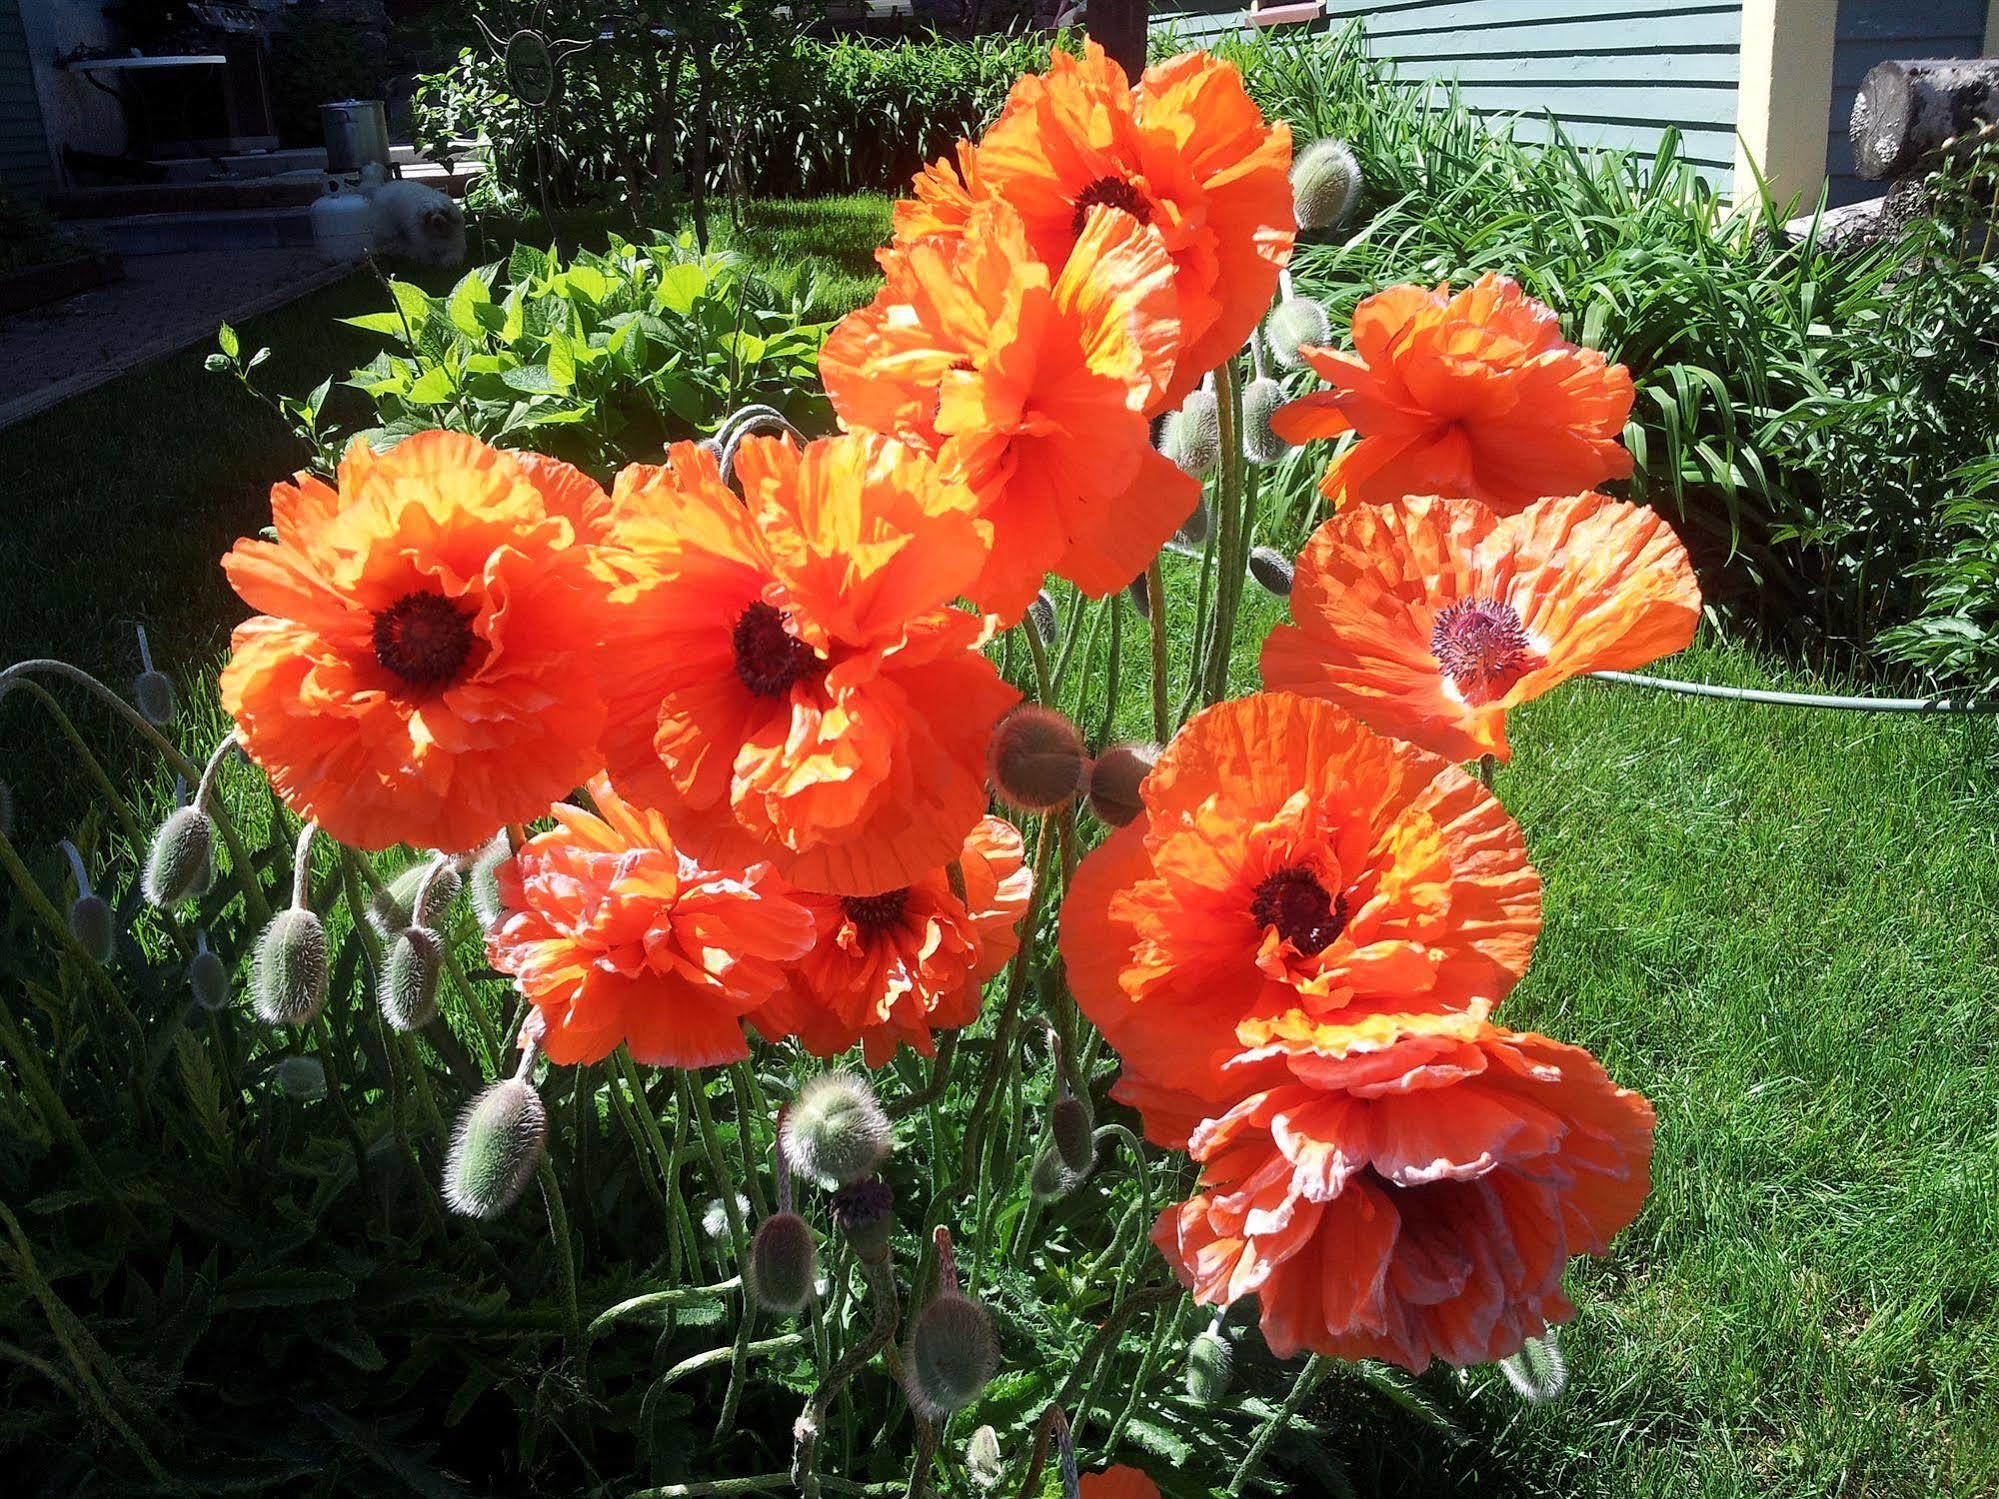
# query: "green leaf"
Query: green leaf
{"points": [[377, 322], [467, 297], [415, 304], [226, 341], [532, 380], [433, 387], [246, 1290]]}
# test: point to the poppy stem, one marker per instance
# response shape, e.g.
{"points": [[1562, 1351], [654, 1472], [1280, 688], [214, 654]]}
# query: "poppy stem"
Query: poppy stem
{"points": [[1301, 1391], [1156, 587], [1234, 531]]}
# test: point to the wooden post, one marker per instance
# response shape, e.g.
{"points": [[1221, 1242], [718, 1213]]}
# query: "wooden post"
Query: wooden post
{"points": [[1120, 26], [1784, 98]]}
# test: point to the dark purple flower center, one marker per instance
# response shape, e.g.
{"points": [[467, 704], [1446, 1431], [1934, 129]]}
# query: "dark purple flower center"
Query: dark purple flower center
{"points": [[424, 639], [1112, 192], [769, 658], [1481, 645], [1303, 911], [876, 911]]}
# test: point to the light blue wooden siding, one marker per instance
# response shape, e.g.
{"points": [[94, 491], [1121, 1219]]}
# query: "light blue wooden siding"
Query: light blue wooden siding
{"points": [[1195, 22], [1872, 31], [24, 152]]}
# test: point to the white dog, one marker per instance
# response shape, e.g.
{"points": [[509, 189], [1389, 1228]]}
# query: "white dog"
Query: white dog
{"points": [[409, 221]]}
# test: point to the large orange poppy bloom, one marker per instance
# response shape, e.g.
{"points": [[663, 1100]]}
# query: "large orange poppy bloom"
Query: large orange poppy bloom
{"points": [[1413, 1194], [785, 677], [1429, 619], [411, 676], [1474, 395], [1290, 869], [615, 935], [1033, 386], [1118, 1482], [1186, 153], [896, 967]]}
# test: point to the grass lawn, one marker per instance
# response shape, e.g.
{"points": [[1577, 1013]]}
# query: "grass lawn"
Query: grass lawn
{"points": [[1780, 925]]}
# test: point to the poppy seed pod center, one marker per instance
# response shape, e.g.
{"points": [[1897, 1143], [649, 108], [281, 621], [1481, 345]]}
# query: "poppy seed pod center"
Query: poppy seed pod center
{"points": [[425, 639], [876, 911], [1303, 911], [769, 658], [1481, 645], [1111, 192]]}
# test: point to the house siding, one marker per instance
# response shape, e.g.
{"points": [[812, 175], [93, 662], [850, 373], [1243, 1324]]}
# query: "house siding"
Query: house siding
{"points": [[1875, 31], [24, 151]]}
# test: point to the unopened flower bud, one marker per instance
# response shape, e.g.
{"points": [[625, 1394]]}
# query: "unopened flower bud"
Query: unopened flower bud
{"points": [[1070, 1124], [1115, 778], [1051, 1179], [951, 1356], [715, 1216], [1195, 528], [408, 989], [1272, 570], [484, 880], [394, 906], [1036, 759], [984, 1463], [1260, 400], [864, 1211], [835, 1131], [208, 976], [1193, 437], [495, 1149], [1538, 1372], [1325, 184], [90, 923], [784, 1263], [288, 980], [1041, 614], [177, 866], [153, 695], [1210, 1366], [1297, 323], [303, 1078]]}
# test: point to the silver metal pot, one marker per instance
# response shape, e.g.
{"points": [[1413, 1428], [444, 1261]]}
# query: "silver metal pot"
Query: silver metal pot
{"points": [[357, 134]]}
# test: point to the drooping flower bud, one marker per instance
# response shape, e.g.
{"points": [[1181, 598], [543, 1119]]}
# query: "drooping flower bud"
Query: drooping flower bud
{"points": [[1041, 614], [288, 979], [715, 1216], [207, 976], [952, 1355], [484, 880], [1195, 528], [1272, 570], [1051, 1179], [495, 1149], [835, 1131], [1114, 781], [1325, 184], [1210, 1367], [153, 690], [1295, 323], [91, 924], [1070, 1124], [178, 865], [1193, 436], [408, 988], [984, 1463], [303, 1078], [1036, 759], [1538, 1372], [865, 1212], [1260, 400], [784, 1262], [394, 906]]}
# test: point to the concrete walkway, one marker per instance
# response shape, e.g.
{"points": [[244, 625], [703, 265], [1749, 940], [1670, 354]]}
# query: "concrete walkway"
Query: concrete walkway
{"points": [[165, 303]]}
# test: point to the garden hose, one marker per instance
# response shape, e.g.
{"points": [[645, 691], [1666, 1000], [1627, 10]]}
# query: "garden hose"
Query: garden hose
{"points": [[1804, 699]]}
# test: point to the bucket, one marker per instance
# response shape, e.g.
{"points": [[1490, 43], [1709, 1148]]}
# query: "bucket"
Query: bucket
{"points": [[357, 134]]}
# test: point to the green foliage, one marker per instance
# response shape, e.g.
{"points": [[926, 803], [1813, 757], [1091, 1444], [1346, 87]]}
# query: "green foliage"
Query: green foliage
{"points": [[28, 236]]}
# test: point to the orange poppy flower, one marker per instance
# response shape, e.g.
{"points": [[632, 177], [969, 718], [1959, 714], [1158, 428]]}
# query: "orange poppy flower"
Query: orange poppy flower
{"points": [[1474, 395], [1119, 1482], [785, 677], [1290, 869], [1033, 387], [1186, 153], [1429, 619], [411, 677], [893, 968], [1413, 1195], [615, 935]]}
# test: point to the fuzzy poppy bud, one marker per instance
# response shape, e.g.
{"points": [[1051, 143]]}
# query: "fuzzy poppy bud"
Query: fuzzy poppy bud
{"points": [[1070, 1123], [951, 1357], [1193, 436], [1195, 528], [495, 1149], [1139, 591], [1325, 184], [865, 1212], [1297, 323], [1260, 400], [715, 1216], [153, 695], [90, 923], [484, 880], [1115, 778], [1538, 1372], [984, 1463], [1272, 571], [1041, 614], [1210, 1367], [303, 1078], [1036, 759], [288, 979], [835, 1131], [208, 977], [784, 1263], [178, 865], [408, 989], [1051, 1179], [394, 906]]}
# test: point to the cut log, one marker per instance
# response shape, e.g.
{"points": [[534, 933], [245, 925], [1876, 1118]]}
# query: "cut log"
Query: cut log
{"points": [[1905, 110]]}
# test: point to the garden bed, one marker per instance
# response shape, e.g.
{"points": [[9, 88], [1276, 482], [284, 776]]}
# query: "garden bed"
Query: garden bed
{"points": [[51, 281]]}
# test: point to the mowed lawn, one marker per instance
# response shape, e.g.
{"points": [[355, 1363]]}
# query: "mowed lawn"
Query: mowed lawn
{"points": [[1783, 926]]}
